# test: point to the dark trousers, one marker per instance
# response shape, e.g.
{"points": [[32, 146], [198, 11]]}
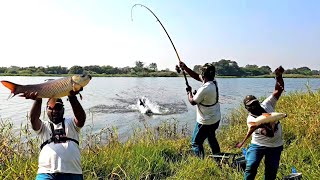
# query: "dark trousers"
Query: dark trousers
{"points": [[59, 176], [255, 154], [202, 132]]}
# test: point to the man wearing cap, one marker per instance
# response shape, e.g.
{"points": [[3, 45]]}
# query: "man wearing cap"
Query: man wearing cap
{"points": [[208, 109], [59, 151], [267, 139]]}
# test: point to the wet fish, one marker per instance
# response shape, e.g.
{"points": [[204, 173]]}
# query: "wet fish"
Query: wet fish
{"points": [[51, 89], [265, 118], [143, 108]]}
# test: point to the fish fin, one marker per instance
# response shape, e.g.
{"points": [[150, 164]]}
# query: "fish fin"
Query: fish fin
{"points": [[10, 96], [10, 85], [266, 114], [80, 96], [252, 124]]}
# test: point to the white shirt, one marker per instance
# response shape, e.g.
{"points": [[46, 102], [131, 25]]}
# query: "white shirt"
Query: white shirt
{"points": [[257, 138], [60, 157], [207, 95]]}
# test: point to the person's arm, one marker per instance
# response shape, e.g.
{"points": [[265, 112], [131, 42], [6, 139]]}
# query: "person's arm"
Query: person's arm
{"points": [[279, 87], [193, 74], [79, 113], [35, 114], [35, 110]]}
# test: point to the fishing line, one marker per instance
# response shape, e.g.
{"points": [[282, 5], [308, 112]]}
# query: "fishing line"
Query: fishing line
{"points": [[184, 74]]}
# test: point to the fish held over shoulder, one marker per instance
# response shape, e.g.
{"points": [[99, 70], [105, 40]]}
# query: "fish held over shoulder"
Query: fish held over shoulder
{"points": [[51, 89], [265, 118]]}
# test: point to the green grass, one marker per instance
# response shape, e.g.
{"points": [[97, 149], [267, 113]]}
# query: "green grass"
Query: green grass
{"points": [[164, 152]]}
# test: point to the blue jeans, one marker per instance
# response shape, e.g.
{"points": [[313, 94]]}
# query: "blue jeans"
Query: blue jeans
{"points": [[59, 176], [255, 154], [202, 132]]}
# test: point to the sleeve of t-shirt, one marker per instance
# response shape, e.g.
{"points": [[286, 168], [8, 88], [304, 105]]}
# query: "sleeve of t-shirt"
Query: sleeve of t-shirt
{"points": [[199, 96], [249, 120], [270, 101]]}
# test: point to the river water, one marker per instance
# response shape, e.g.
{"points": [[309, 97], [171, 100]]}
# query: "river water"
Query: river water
{"points": [[112, 102]]}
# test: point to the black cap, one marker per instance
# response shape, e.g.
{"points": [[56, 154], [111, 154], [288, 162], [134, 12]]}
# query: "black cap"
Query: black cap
{"points": [[249, 99], [208, 70]]}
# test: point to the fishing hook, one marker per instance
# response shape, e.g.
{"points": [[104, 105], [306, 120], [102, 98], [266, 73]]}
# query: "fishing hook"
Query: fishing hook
{"points": [[184, 73]]}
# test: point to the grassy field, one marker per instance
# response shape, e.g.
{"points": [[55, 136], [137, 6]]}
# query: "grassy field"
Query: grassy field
{"points": [[164, 152]]}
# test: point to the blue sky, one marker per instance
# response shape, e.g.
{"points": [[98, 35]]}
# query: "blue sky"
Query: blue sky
{"points": [[101, 32]]}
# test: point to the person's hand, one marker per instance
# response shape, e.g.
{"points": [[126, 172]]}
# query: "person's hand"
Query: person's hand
{"points": [[73, 93], [182, 65], [239, 145], [279, 71], [188, 89], [30, 95]]}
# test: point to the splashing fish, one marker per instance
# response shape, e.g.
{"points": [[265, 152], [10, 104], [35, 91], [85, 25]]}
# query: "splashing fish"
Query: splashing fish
{"points": [[143, 107], [265, 118], [51, 89]]}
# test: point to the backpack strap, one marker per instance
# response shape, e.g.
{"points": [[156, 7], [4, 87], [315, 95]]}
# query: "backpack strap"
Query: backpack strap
{"points": [[217, 99], [56, 139]]}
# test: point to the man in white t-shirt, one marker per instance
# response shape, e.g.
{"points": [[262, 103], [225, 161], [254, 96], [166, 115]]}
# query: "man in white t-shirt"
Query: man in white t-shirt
{"points": [[267, 139], [60, 153], [208, 109]]}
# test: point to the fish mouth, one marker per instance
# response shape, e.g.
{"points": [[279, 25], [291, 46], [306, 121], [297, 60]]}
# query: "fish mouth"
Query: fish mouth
{"points": [[90, 77]]}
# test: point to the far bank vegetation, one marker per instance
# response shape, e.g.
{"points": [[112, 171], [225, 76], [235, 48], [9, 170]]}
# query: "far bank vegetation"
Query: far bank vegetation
{"points": [[224, 68]]}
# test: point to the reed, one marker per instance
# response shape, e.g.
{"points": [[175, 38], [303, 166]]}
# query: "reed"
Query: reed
{"points": [[164, 152]]}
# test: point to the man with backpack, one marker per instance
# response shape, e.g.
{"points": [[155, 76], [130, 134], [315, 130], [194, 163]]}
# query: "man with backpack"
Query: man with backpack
{"points": [[59, 151], [208, 115]]}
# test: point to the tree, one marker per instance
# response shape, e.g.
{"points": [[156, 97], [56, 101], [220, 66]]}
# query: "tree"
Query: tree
{"points": [[3, 69], [197, 68], [227, 68], [76, 70], [153, 67], [139, 66]]}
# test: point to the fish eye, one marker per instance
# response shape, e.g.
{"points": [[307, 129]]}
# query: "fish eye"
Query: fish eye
{"points": [[83, 75]]}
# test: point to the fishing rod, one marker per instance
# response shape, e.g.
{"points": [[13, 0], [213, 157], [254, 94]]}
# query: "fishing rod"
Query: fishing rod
{"points": [[177, 67]]}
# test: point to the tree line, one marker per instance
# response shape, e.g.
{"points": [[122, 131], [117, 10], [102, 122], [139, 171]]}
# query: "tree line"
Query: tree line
{"points": [[223, 68], [230, 68]]}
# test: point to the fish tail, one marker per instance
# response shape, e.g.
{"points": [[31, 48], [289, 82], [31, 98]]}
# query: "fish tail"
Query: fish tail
{"points": [[11, 86]]}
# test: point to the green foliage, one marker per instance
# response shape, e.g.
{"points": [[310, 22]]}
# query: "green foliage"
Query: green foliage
{"points": [[302, 70], [76, 70], [227, 68], [224, 68]]}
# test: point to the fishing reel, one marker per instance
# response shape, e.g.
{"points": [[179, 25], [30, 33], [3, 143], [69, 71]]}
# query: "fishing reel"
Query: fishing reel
{"points": [[178, 69]]}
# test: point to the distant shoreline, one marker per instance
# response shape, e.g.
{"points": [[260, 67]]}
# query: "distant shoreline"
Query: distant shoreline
{"points": [[162, 75]]}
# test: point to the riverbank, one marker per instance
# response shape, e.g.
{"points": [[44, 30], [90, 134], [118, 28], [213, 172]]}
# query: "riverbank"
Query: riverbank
{"points": [[164, 152]]}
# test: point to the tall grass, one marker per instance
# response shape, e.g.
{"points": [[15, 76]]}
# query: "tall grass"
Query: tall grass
{"points": [[164, 152]]}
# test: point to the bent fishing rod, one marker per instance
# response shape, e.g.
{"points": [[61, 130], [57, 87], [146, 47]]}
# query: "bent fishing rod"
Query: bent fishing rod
{"points": [[177, 68]]}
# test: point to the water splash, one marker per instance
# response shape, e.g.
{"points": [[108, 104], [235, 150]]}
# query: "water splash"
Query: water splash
{"points": [[146, 106]]}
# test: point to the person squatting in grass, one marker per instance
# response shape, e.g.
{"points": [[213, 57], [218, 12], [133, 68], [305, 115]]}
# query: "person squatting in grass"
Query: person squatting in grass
{"points": [[267, 140], [59, 151], [208, 109]]}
